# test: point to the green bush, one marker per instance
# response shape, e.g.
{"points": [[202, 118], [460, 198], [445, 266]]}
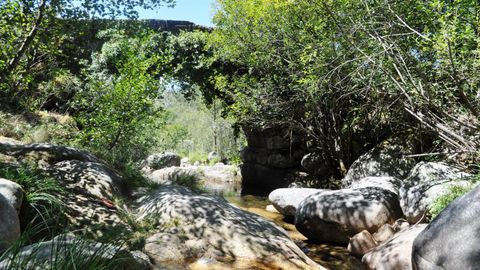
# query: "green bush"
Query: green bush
{"points": [[444, 200], [42, 213]]}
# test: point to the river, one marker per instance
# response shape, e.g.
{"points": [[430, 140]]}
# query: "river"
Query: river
{"points": [[330, 256]]}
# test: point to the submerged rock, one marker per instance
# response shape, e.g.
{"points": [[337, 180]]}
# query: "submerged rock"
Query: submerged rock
{"points": [[214, 230], [451, 240], [335, 216], [286, 200]]}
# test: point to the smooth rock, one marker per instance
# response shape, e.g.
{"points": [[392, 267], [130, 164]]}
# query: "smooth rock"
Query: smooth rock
{"points": [[386, 159], [184, 162], [426, 182], [9, 223], [163, 160], [227, 233], [172, 175], [46, 154], [213, 155], [361, 243], [400, 225], [386, 182], [335, 216], [94, 178], [384, 233], [286, 200], [270, 208], [12, 192], [451, 240], [396, 253]]}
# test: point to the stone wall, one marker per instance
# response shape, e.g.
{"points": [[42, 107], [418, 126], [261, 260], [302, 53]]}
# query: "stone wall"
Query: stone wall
{"points": [[271, 158]]}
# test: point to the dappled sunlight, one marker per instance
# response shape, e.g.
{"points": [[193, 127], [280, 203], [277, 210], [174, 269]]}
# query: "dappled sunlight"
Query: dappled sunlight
{"points": [[231, 233]]}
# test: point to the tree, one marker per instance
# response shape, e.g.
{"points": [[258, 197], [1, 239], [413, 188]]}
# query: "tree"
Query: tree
{"points": [[352, 72], [31, 31], [117, 108]]}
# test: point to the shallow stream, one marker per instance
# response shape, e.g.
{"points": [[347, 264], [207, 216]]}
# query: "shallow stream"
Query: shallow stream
{"points": [[330, 256]]}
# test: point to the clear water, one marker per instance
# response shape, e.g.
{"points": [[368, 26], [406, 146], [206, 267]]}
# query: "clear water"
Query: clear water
{"points": [[330, 256]]}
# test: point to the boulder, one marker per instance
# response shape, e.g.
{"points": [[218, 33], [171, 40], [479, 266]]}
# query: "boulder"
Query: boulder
{"points": [[426, 182], [286, 200], [90, 190], [384, 233], [13, 192], [400, 225], [185, 162], [361, 243], [215, 230], [163, 160], [386, 159], [311, 162], [396, 253], [172, 175], [451, 240], [44, 154], [167, 247], [335, 216], [219, 173], [9, 223], [94, 178], [69, 252], [386, 182], [270, 208], [213, 156]]}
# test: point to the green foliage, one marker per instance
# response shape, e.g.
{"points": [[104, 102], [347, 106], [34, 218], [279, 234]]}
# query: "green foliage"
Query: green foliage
{"points": [[350, 73], [444, 200], [79, 253], [41, 39], [40, 215], [192, 129], [117, 108], [188, 180]]}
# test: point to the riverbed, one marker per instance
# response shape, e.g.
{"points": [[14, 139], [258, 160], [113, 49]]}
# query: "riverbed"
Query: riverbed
{"points": [[328, 255]]}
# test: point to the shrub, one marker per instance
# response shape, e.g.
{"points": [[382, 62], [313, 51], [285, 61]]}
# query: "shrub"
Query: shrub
{"points": [[444, 200]]}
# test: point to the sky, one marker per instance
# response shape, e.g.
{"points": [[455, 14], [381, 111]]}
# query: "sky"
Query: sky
{"points": [[196, 11]]}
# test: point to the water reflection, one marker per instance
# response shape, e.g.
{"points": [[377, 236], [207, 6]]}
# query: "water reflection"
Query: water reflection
{"points": [[328, 255]]}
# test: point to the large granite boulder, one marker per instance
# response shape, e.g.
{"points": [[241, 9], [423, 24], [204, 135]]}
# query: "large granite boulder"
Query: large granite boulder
{"points": [[335, 216], [69, 252], [386, 159], [216, 231], [395, 253], [9, 223], [173, 175], [91, 188], [11, 196], [386, 182], [94, 178], [220, 173], [12, 192], [426, 182], [286, 200], [451, 240], [163, 160], [44, 154]]}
